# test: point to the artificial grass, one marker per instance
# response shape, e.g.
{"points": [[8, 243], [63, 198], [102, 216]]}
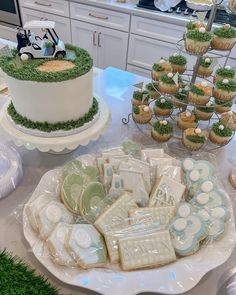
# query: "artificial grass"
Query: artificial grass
{"points": [[49, 127], [17, 278]]}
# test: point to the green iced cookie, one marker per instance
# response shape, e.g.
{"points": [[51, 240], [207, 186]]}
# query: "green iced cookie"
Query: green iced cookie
{"points": [[92, 201], [73, 166], [91, 171], [71, 191]]}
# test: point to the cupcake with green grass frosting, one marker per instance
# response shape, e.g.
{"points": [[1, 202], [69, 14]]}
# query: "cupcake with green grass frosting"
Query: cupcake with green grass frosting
{"points": [[200, 93], [152, 90], [205, 112], [220, 134], [206, 67], [195, 25], [224, 73], [142, 114], [194, 138], [197, 41], [140, 97], [163, 107], [178, 63], [224, 38], [168, 85], [222, 106], [225, 89], [180, 98], [162, 130], [161, 68]]}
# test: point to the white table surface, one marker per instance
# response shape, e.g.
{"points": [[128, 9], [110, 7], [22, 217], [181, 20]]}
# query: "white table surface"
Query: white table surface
{"points": [[115, 86]]}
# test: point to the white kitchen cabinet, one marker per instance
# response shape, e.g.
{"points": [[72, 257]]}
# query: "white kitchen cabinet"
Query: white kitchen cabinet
{"points": [[8, 33], [62, 23], [108, 47], [85, 35]]}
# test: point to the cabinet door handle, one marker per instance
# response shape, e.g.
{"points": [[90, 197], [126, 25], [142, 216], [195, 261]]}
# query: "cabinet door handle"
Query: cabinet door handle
{"points": [[97, 16], [99, 39], [42, 4], [94, 38]]}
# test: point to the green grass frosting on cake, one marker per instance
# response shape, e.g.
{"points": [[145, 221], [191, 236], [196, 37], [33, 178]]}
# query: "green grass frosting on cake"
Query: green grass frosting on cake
{"points": [[231, 86], [49, 127], [179, 60], [206, 109], [136, 110], [181, 95], [198, 91], [198, 36], [28, 71], [151, 86], [225, 73], [163, 129], [168, 104], [222, 32], [226, 132]]}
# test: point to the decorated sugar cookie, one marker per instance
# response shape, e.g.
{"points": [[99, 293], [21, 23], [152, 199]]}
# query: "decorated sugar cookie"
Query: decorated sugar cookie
{"points": [[86, 246], [187, 230]]}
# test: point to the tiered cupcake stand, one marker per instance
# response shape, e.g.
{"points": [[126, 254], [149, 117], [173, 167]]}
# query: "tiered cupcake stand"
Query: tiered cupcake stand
{"points": [[189, 77]]}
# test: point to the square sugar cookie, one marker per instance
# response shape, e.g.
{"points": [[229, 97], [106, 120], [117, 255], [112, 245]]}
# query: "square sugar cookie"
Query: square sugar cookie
{"points": [[166, 192], [146, 250], [117, 215]]}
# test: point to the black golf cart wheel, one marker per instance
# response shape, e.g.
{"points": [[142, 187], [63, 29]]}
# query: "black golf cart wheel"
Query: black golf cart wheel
{"points": [[60, 54], [30, 55]]}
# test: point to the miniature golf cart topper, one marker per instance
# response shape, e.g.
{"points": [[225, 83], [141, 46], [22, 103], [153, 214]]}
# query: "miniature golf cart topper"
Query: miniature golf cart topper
{"points": [[33, 46]]}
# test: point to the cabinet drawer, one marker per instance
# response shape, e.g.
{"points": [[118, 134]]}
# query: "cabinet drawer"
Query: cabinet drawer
{"points": [[99, 16], [156, 29], [62, 23], [59, 7], [144, 52]]}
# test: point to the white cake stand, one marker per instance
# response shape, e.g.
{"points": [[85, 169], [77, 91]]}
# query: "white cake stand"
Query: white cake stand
{"points": [[56, 145]]}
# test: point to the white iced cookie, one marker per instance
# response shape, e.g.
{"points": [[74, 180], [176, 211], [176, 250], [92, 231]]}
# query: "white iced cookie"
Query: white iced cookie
{"points": [[228, 67], [56, 245], [32, 208], [51, 214], [188, 164], [194, 175], [170, 75], [207, 60], [225, 81], [207, 186], [86, 245], [187, 230]]}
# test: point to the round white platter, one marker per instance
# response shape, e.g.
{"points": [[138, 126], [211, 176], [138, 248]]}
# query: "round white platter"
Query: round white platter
{"points": [[10, 170], [175, 278], [56, 144]]}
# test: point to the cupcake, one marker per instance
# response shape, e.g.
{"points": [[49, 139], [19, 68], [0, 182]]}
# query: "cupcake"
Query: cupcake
{"points": [[193, 139], [220, 134], [223, 38], [224, 73], [197, 41], [178, 63], [225, 89], [152, 90], [222, 106], [205, 69], [161, 68], [162, 130], [229, 120], [200, 93], [140, 97], [195, 25], [167, 84], [163, 107], [142, 114], [187, 119], [205, 112], [180, 98]]}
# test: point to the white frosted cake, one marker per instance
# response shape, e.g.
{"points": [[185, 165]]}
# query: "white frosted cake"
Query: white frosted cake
{"points": [[51, 96]]}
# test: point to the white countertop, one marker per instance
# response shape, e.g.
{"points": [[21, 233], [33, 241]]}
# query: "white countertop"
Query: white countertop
{"points": [[131, 8], [115, 86]]}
